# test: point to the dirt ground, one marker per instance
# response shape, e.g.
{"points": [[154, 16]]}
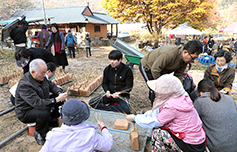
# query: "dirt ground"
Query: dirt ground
{"points": [[9, 124]]}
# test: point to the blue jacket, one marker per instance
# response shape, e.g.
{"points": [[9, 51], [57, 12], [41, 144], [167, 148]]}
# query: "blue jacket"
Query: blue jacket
{"points": [[70, 40]]}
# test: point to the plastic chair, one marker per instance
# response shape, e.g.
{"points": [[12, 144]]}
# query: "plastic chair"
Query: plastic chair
{"points": [[212, 60], [201, 59], [206, 61]]}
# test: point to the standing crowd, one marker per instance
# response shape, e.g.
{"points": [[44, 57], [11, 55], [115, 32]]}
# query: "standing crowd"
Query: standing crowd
{"points": [[184, 117]]}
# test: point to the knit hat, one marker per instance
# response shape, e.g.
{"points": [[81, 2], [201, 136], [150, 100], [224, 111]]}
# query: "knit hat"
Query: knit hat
{"points": [[22, 62], [166, 87], [74, 112]]}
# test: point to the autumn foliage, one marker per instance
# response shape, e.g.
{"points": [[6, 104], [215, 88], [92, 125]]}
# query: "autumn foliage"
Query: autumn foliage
{"points": [[159, 14], [8, 7]]}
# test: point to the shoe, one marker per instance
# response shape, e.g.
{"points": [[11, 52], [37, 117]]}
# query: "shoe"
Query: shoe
{"points": [[39, 138], [53, 122]]}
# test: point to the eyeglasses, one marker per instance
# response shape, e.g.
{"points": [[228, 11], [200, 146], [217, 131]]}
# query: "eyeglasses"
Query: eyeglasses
{"points": [[193, 58], [220, 61]]}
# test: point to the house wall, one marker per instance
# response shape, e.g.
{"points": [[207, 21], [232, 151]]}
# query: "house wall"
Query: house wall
{"points": [[87, 12], [91, 30]]}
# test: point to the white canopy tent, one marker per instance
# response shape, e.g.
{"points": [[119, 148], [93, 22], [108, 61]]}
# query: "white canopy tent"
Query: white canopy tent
{"points": [[184, 29]]}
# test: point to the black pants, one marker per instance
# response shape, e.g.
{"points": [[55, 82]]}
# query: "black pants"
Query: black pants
{"points": [[146, 73], [41, 117], [12, 99], [105, 103], [73, 52], [88, 49]]}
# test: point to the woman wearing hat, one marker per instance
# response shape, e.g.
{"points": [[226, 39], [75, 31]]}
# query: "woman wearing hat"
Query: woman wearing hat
{"points": [[221, 74], [178, 126], [219, 117], [74, 134], [56, 39]]}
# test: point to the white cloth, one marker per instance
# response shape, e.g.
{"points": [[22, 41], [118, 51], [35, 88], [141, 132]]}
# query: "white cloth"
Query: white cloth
{"points": [[222, 68], [13, 90], [21, 45]]}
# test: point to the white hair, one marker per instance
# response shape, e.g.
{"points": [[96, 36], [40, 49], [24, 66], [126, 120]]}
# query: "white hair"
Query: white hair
{"points": [[35, 64]]}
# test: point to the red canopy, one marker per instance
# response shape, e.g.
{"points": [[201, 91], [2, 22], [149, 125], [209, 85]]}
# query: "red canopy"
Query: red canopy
{"points": [[230, 29]]}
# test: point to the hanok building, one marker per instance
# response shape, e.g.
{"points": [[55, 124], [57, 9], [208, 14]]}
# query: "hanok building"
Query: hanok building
{"points": [[77, 18]]}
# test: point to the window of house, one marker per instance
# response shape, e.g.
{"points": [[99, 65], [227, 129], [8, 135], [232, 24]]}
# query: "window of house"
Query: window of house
{"points": [[97, 27]]}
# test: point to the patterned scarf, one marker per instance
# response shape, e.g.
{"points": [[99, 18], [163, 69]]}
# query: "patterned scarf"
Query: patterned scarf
{"points": [[56, 41]]}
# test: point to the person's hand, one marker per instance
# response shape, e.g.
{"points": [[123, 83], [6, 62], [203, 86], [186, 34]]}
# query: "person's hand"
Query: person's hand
{"points": [[19, 18], [130, 118], [116, 94], [55, 82], [61, 97], [59, 86], [108, 94], [100, 125]]}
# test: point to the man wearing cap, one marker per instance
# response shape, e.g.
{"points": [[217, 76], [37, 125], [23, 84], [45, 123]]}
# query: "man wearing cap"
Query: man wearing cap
{"points": [[117, 84], [18, 34], [74, 134], [32, 102], [168, 59]]}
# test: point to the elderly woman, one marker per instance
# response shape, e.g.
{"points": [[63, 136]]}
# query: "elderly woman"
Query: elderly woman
{"points": [[56, 39], [221, 73], [219, 116], [74, 135], [173, 111]]}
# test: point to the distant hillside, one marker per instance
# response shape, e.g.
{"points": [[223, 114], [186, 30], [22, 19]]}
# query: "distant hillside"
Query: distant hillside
{"points": [[95, 5]]}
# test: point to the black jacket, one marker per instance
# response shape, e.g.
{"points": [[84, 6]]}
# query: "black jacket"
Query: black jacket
{"points": [[31, 94], [211, 43], [41, 53], [117, 80], [18, 34]]}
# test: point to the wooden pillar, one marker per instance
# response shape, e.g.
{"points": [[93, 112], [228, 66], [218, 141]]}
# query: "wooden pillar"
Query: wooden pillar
{"points": [[116, 30], [111, 30]]}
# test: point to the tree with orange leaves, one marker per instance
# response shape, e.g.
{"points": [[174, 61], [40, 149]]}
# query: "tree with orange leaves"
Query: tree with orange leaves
{"points": [[159, 14]]}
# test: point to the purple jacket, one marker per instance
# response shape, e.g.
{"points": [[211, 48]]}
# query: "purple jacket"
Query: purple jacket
{"points": [[80, 137]]}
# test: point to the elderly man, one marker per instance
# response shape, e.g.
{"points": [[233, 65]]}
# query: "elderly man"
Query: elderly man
{"points": [[32, 99], [117, 83], [168, 59], [24, 56]]}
